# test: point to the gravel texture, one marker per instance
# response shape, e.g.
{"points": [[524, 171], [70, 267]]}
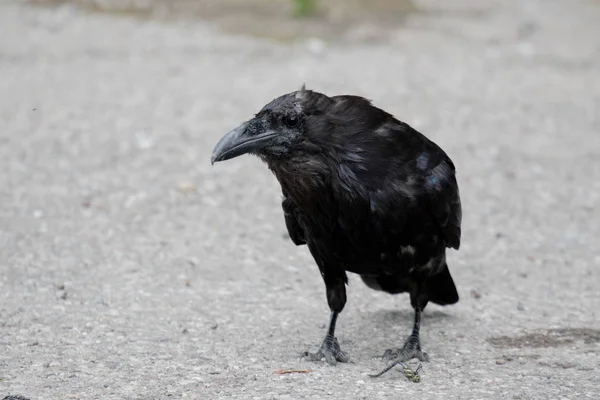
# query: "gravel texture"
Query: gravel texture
{"points": [[132, 269]]}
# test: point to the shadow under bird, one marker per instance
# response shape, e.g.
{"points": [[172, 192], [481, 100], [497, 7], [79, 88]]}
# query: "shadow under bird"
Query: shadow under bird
{"points": [[366, 193]]}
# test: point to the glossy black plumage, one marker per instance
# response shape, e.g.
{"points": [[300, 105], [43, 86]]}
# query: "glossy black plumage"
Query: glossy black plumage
{"points": [[365, 192]]}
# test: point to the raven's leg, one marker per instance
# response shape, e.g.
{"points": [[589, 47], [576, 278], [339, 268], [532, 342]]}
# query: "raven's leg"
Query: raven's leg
{"points": [[412, 345], [330, 348]]}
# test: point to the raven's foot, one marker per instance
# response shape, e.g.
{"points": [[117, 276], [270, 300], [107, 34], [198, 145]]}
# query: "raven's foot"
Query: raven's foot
{"points": [[410, 350], [330, 350]]}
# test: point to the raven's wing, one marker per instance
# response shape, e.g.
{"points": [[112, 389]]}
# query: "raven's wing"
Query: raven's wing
{"points": [[291, 214], [443, 200], [401, 169]]}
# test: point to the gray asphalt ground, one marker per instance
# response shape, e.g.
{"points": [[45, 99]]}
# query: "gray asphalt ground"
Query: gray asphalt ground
{"points": [[132, 269]]}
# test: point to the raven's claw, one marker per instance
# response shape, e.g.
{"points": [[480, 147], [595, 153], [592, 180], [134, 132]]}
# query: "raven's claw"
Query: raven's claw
{"points": [[410, 350], [330, 350], [404, 354]]}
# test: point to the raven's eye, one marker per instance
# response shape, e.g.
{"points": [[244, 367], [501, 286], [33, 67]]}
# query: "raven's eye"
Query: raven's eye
{"points": [[291, 121]]}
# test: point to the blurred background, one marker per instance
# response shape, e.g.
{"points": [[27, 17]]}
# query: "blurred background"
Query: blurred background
{"points": [[131, 268]]}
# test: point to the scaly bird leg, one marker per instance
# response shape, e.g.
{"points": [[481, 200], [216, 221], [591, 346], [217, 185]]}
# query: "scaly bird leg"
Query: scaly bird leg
{"points": [[411, 348], [330, 348]]}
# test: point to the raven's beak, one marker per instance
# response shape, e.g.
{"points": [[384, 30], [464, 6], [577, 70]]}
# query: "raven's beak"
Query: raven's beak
{"points": [[238, 142]]}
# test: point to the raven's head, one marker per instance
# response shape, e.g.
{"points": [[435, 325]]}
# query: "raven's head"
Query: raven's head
{"points": [[277, 130]]}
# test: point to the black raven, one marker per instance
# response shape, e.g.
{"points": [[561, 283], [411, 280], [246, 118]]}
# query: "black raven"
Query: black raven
{"points": [[366, 193]]}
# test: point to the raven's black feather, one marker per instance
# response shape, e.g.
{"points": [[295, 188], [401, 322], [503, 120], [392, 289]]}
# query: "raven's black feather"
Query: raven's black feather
{"points": [[377, 195], [294, 227]]}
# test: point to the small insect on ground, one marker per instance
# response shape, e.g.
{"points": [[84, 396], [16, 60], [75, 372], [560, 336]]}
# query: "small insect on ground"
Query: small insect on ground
{"points": [[411, 375]]}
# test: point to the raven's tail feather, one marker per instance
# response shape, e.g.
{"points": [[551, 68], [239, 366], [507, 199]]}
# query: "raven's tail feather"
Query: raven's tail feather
{"points": [[442, 290]]}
